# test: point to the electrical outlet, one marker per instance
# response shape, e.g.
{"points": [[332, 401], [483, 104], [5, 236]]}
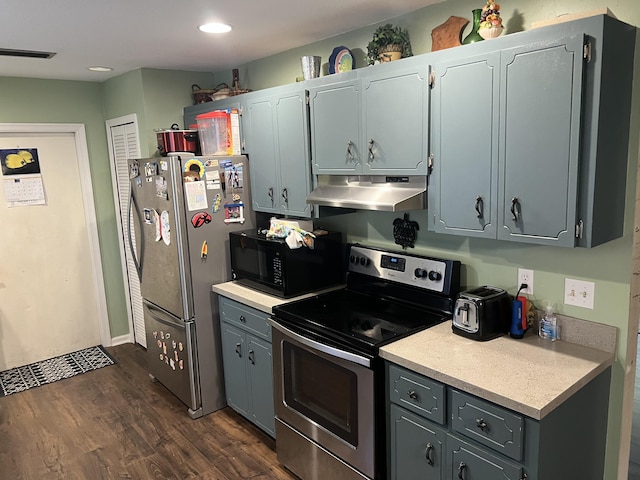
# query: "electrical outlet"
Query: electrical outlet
{"points": [[525, 276], [579, 293]]}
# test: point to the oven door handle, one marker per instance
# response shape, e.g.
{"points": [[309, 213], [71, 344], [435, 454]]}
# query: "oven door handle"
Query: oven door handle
{"points": [[329, 350]]}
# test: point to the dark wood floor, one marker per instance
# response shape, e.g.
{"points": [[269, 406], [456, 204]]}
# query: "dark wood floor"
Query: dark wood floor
{"points": [[115, 423]]}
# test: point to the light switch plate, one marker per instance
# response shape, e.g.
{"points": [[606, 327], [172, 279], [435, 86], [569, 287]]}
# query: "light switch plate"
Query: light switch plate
{"points": [[579, 293]]}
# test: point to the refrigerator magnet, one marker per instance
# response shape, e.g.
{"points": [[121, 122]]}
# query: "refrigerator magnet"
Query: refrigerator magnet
{"points": [[196, 196], [194, 165], [217, 202], [234, 213], [164, 165], [156, 220], [161, 187], [213, 180], [149, 217], [134, 169], [190, 177], [165, 229], [150, 169], [200, 219]]}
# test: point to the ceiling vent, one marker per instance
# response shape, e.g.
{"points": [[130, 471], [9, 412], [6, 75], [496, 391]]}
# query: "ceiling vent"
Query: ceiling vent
{"points": [[8, 52]]}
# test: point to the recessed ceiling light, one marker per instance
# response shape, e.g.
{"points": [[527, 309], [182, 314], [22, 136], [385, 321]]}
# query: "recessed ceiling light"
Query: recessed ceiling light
{"points": [[100, 69], [215, 28]]}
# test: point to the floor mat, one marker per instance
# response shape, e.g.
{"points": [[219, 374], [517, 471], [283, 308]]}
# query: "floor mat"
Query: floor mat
{"points": [[36, 374]]}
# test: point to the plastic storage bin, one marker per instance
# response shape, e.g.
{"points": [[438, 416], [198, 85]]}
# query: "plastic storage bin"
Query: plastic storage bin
{"points": [[213, 132]]}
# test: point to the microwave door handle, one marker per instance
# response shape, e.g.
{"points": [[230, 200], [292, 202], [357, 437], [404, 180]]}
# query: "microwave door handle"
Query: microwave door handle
{"points": [[329, 350]]}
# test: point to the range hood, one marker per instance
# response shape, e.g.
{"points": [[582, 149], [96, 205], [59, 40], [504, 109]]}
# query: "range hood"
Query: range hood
{"points": [[383, 193]]}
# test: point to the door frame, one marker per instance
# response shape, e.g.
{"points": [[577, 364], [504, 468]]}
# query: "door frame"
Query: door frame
{"points": [[84, 170]]}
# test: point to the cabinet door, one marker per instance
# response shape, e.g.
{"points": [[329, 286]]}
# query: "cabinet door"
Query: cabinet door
{"points": [[261, 377], [464, 135], [261, 145], [234, 356], [292, 127], [417, 447], [465, 461], [335, 128], [540, 111], [395, 106]]}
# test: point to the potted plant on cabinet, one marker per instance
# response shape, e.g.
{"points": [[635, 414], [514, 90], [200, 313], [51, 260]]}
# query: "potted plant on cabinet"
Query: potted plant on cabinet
{"points": [[389, 43]]}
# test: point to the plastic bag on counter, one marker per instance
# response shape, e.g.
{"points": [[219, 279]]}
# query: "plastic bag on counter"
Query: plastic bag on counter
{"points": [[294, 236]]}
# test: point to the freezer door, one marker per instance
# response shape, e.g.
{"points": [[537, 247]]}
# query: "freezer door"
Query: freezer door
{"points": [[160, 235], [171, 355]]}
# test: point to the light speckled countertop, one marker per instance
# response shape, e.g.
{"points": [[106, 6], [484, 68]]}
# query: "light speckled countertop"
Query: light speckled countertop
{"points": [[253, 298], [531, 376]]}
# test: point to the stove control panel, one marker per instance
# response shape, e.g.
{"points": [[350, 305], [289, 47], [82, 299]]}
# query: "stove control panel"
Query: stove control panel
{"points": [[429, 273]]}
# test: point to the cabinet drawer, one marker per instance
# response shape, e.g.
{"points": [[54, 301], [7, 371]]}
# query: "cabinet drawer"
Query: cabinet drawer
{"points": [[487, 424], [245, 317], [465, 461], [417, 393]]}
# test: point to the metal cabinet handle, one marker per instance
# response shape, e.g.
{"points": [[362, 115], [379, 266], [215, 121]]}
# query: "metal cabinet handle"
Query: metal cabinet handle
{"points": [[515, 209], [524, 476], [239, 350], [242, 319], [270, 193], [480, 206], [461, 468], [429, 454], [413, 395], [350, 154], [371, 155], [481, 424], [252, 357], [285, 196]]}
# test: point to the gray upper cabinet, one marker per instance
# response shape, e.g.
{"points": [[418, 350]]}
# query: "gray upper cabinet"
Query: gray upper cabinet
{"points": [[530, 133], [506, 138], [336, 145], [463, 194], [539, 150], [374, 122], [395, 113], [277, 125]]}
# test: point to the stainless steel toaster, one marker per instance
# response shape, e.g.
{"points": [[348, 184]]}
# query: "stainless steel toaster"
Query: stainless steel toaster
{"points": [[482, 313]]}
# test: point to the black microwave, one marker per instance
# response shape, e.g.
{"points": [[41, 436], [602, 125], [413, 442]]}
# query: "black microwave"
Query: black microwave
{"points": [[269, 265]]}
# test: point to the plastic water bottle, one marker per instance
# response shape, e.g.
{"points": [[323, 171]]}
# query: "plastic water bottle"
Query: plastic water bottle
{"points": [[548, 328]]}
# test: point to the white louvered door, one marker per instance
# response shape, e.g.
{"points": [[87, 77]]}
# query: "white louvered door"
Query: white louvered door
{"points": [[125, 144]]}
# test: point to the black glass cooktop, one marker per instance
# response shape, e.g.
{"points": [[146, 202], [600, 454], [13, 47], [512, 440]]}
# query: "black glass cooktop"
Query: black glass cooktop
{"points": [[363, 322]]}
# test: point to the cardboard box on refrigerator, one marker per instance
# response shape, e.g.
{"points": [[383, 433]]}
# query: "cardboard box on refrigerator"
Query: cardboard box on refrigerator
{"points": [[233, 131]]}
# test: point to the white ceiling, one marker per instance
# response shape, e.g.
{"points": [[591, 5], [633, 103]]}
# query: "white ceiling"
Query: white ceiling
{"points": [[131, 34]]}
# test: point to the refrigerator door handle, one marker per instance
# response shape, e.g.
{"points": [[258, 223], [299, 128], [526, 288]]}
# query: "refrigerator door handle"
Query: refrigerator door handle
{"points": [[132, 202]]}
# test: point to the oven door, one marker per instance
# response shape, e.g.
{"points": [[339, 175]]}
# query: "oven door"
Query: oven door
{"points": [[326, 395]]}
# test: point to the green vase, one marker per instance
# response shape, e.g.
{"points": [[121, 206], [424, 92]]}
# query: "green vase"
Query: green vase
{"points": [[474, 36]]}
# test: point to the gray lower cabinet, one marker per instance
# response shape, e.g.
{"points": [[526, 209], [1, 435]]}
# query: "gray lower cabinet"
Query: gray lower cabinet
{"points": [[276, 122], [440, 432], [246, 355], [417, 446]]}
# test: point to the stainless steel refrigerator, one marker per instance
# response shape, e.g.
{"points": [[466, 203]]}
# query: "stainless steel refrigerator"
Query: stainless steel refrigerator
{"points": [[181, 210]]}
